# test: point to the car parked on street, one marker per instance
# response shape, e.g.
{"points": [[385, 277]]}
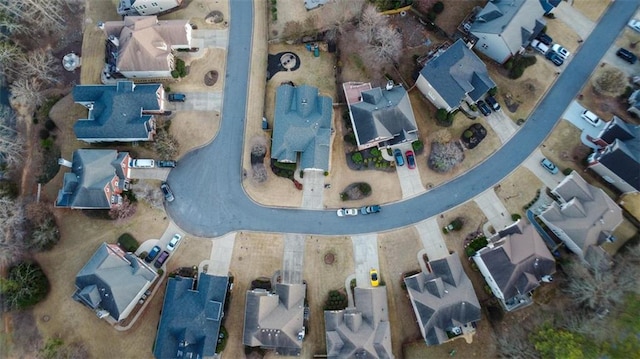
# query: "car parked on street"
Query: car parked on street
{"points": [[174, 242], [161, 259], [411, 159], [168, 193], [561, 51], [373, 274], [549, 166], [167, 164], [343, 212], [153, 253], [544, 38], [483, 108], [491, 101], [177, 97], [555, 58], [370, 209], [397, 154], [627, 55]]}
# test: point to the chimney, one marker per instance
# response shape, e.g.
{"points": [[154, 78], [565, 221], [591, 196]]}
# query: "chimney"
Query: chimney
{"points": [[63, 162]]}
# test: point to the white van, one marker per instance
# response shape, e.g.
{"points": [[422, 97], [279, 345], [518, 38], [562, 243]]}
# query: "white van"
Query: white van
{"points": [[142, 163], [591, 118]]}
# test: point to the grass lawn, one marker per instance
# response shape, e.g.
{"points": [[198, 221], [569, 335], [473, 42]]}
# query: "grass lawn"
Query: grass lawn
{"points": [[518, 189]]}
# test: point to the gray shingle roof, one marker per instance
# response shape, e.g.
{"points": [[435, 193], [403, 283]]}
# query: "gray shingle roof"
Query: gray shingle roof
{"points": [[274, 320], [384, 114], [92, 170], [360, 332], [119, 112], [442, 299], [622, 155], [113, 280], [302, 124], [191, 318], [456, 73]]}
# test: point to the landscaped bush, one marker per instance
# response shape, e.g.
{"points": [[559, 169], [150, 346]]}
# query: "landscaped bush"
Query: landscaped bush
{"points": [[356, 157], [515, 217], [350, 138], [365, 188], [441, 114], [438, 7], [337, 300], [444, 118], [520, 63], [375, 152], [127, 242], [50, 125], [493, 91], [476, 245], [222, 338], [418, 146], [180, 69], [431, 16], [567, 171]]}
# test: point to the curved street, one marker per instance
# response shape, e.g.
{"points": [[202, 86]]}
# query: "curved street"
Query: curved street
{"points": [[210, 200]]}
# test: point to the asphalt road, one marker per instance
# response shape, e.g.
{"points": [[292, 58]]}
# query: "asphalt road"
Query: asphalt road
{"points": [[210, 200]]}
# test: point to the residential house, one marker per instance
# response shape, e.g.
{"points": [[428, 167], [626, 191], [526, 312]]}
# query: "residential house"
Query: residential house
{"points": [[504, 28], [112, 282], [514, 263], [96, 181], [634, 103], [275, 321], [453, 76], [191, 317], [443, 301], [583, 217], [617, 160], [143, 46], [380, 117], [146, 7], [302, 125], [363, 331], [124, 112]]}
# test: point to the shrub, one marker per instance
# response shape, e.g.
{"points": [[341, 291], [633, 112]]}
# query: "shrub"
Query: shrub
{"points": [[375, 152], [127, 242], [438, 7], [431, 16], [350, 138], [365, 188], [417, 146], [467, 134], [493, 91], [515, 217], [301, 173], [285, 165], [50, 125], [44, 134], [478, 243], [441, 114], [181, 68], [516, 72], [222, 339], [143, 255], [8, 189], [356, 157], [47, 143], [567, 171]]}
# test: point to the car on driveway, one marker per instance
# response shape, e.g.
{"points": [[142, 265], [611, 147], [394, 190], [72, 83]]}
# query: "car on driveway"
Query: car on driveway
{"points": [[343, 212], [591, 118], [564, 53], [168, 193], [153, 253], [626, 55], [539, 46], [375, 280], [161, 259], [167, 164], [411, 159], [634, 24], [491, 101], [555, 58], [177, 97], [483, 108], [174, 242], [549, 166], [397, 154], [370, 209], [544, 38]]}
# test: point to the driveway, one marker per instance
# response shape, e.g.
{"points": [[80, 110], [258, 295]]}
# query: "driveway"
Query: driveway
{"points": [[156, 173], [533, 164], [493, 209], [573, 115], [431, 238], [502, 125], [365, 257], [219, 261], [293, 259], [210, 38], [612, 59], [410, 181], [198, 101], [313, 189], [582, 25]]}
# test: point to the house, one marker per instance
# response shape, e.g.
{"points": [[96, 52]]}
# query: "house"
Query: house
{"points": [[112, 282], [453, 76], [96, 181], [617, 160], [302, 125], [583, 218], [146, 7], [275, 321], [505, 28], [380, 117], [634, 103], [191, 317], [514, 263], [143, 46], [443, 301], [363, 331], [123, 112]]}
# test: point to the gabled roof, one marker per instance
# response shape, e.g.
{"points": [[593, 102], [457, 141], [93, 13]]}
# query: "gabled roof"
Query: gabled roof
{"points": [[302, 124], [587, 215], [442, 299], [518, 261], [274, 320], [622, 155], [360, 332], [92, 171], [117, 111], [456, 73], [146, 43], [617, 129], [113, 280], [382, 114], [191, 317]]}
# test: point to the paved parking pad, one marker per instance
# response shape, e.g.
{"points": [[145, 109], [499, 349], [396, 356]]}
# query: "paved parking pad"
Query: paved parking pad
{"points": [[410, 181], [365, 255], [198, 101], [293, 258], [493, 209], [431, 238], [533, 164]]}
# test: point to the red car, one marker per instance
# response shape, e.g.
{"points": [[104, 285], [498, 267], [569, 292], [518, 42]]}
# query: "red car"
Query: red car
{"points": [[411, 159]]}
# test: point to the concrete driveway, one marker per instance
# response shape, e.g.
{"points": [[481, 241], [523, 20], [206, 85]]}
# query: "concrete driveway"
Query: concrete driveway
{"points": [[210, 38], [410, 181], [533, 164], [431, 238], [313, 189], [493, 209], [502, 125], [365, 257], [573, 18], [219, 260], [612, 59], [198, 101], [155, 173], [293, 259], [573, 115]]}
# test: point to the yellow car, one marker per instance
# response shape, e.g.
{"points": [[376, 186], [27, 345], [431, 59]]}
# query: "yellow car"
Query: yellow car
{"points": [[374, 277]]}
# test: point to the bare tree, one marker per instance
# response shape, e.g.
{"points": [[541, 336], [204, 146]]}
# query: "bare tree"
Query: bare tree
{"points": [[165, 145], [44, 236], [10, 56], [28, 90], [12, 223], [515, 344], [370, 21], [337, 14], [123, 211], [44, 14], [597, 290], [41, 65], [11, 26], [10, 147], [610, 81], [385, 46]]}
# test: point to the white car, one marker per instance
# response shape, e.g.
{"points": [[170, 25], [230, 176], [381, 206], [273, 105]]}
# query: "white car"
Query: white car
{"points": [[347, 212], [539, 46], [564, 53], [634, 24], [174, 242]]}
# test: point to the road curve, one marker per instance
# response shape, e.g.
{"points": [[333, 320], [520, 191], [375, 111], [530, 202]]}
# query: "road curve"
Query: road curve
{"points": [[210, 200]]}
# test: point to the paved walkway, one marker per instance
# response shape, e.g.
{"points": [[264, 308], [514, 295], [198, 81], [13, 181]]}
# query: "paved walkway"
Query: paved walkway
{"points": [[533, 164], [502, 125], [219, 260], [313, 189], [365, 256], [573, 18], [432, 240], [493, 209], [293, 259]]}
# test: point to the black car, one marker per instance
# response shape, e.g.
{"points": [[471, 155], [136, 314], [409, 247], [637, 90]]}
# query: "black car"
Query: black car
{"points": [[483, 108], [493, 103], [177, 97], [169, 164], [627, 55], [555, 58], [544, 38]]}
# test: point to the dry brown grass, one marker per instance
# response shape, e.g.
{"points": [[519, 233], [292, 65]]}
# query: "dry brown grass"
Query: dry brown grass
{"points": [[193, 129], [197, 10], [593, 9], [563, 146], [212, 60], [93, 39], [518, 189]]}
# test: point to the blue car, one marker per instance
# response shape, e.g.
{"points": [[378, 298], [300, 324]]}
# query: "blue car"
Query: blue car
{"points": [[549, 166], [398, 155], [555, 58], [152, 254]]}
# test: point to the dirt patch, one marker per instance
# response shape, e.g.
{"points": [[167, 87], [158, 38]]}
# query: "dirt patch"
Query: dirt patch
{"points": [[210, 78]]}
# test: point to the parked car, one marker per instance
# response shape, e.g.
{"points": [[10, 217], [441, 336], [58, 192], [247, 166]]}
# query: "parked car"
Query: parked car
{"points": [[342, 212], [168, 193], [411, 159], [142, 163], [564, 53], [555, 58], [370, 209], [375, 281], [177, 97], [398, 156], [591, 117], [544, 38], [153, 253], [539, 46], [170, 164], [174, 242], [161, 259], [634, 24], [549, 166], [491, 101], [483, 108], [627, 55]]}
